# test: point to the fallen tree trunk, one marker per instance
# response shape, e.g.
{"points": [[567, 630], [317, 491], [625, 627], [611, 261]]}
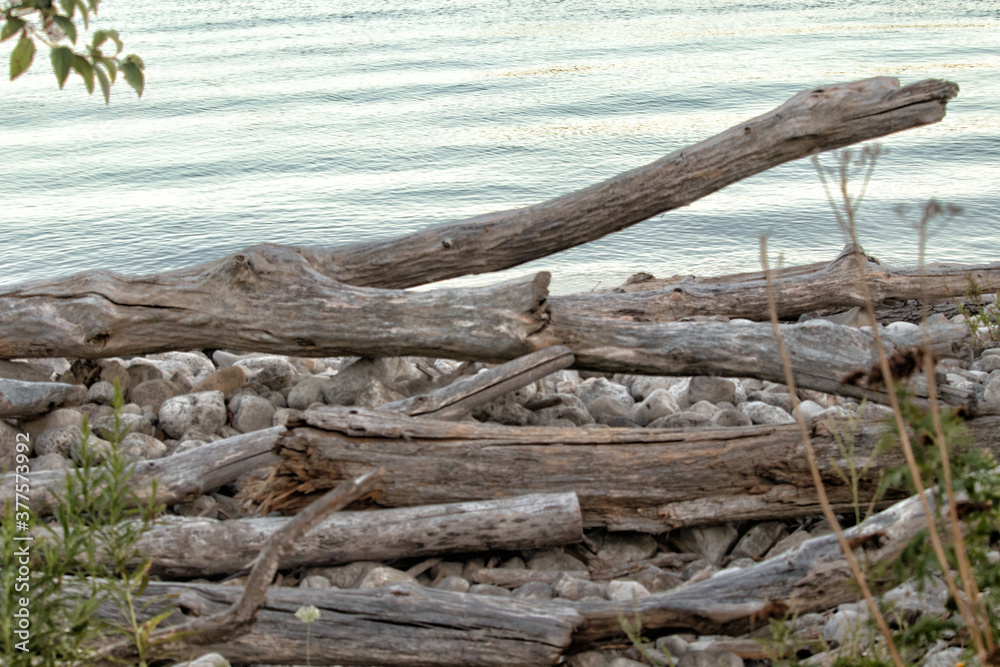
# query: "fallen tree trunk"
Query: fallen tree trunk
{"points": [[197, 547], [179, 478], [402, 625], [626, 479], [298, 301], [797, 290]]}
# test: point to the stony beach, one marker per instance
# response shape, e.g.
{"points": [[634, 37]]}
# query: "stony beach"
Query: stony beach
{"points": [[179, 401]]}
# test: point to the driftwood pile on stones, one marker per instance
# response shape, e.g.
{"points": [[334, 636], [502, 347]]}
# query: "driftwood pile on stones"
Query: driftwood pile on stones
{"points": [[534, 468]]}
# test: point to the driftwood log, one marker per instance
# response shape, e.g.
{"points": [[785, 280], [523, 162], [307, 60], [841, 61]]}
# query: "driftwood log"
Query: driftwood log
{"points": [[198, 547], [407, 625], [315, 302], [627, 479]]}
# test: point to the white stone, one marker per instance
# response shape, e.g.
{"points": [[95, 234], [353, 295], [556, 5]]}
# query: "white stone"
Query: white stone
{"points": [[626, 591], [762, 413], [204, 412], [658, 404]]}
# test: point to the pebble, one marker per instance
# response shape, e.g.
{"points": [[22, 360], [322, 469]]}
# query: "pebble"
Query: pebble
{"points": [[658, 404], [626, 591], [453, 584], [153, 392], [204, 412], [383, 576], [762, 413], [254, 414]]}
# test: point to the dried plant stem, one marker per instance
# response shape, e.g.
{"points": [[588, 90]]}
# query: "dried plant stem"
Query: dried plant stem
{"points": [[824, 500]]}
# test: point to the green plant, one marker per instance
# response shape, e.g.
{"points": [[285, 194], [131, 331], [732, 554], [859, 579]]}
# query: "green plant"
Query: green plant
{"points": [[83, 560], [855, 472], [52, 23], [308, 615], [632, 627]]}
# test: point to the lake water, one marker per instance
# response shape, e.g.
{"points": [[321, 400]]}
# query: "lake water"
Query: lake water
{"points": [[324, 122]]}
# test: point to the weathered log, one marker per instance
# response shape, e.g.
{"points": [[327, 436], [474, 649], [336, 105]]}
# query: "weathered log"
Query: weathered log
{"points": [[797, 290], [21, 400], [812, 577], [297, 301], [461, 397], [402, 625], [194, 547], [626, 479], [179, 478]]}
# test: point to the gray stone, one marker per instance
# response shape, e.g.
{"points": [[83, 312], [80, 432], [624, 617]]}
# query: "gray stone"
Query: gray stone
{"points": [[759, 539], [710, 659], [570, 587], [227, 380], [605, 408], [383, 576], [730, 417], [779, 399], [621, 548], [789, 543], [60, 417], [347, 385], [254, 414], [846, 628], [656, 580], [277, 376], [684, 419], [626, 591], [21, 400], [762, 413], [307, 391], [809, 410], [911, 602], [51, 462], [204, 506], [945, 657], [57, 440], [711, 389], [591, 389], [551, 416], [194, 364], [555, 558], [207, 660], [992, 392], [534, 590], [277, 399], [96, 447], [142, 446], [153, 392], [489, 589], [562, 382], [9, 440], [642, 386], [127, 423], [102, 392], [113, 370], [704, 408], [285, 416], [25, 371], [673, 645], [712, 542], [658, 404], [453, 584], [315, 581], [139, 371], [204, 412]]}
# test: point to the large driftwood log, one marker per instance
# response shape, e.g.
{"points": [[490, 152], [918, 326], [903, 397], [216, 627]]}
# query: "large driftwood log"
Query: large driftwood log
{"points": [[401, 625], [626, 479], [297, 301], [179, 478], [797, 290], [195, 547]]}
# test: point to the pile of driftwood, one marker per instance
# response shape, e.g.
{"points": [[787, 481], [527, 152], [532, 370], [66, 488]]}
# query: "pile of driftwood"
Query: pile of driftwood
{"points": [[435, 482]]}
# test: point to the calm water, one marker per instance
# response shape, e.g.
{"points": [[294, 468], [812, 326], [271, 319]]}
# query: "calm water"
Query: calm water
{"points": [[330, 121]]}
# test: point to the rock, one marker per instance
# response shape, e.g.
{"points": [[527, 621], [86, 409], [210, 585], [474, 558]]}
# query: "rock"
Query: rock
{"points": [[684, 419], [153, 392], [593, 388], [809, 410], [910, 602], [57, 440], [254, 414], [626, 591], [24, 371], [778, 399], [204, 506], [562, 382], [589, 659], [621, 548], [704, 408], [192, 364], [504, 410], [762, 413], [759, 539], [642, 386], [383, 576], [207, 660], [555, 558], [846, 628], [51, 462], [573, 588], [453, 584], [346, 386], [204, 412], [711, 389], [656, 580], [606, 408], [841, 413], [489, 589], [658, 404], [142, 446], [873, 411], [20, 400], [673, 645], [277, 399], [315, 581], [551, 416], [307, 391], [97, 449], [712, 542], [992, 392], [534, 590], [345, 576], [446, 568], [127, 423], [60, 417], [944, 657], [8, 446], [227, 380], [789, 543], [710, 659], [285, 417], [730, 417]]}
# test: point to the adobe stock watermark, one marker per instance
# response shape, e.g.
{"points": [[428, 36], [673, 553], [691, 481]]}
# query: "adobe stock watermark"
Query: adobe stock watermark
{"points": [[21, 621]]}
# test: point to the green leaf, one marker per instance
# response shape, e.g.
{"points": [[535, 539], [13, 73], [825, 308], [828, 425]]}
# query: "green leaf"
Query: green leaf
{"points": [[102, 78], [84, 69], [83, 12], [100, 36], [133, 74], [113, 34], [21, 57], [62, 61], [69, 6], [111, 67], [11, 27], [66, 26]]}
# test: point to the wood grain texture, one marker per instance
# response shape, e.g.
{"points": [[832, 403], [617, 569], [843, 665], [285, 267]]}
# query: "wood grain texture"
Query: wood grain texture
{"points": [[626, 479], [196, 546]]}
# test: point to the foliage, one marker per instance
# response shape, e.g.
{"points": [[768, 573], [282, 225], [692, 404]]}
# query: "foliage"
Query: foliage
{"points": [[54, 23], [84, 559]]}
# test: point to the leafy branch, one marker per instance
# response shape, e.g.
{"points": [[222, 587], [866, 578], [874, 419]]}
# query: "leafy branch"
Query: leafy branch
{"points": [[52, 23]]}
